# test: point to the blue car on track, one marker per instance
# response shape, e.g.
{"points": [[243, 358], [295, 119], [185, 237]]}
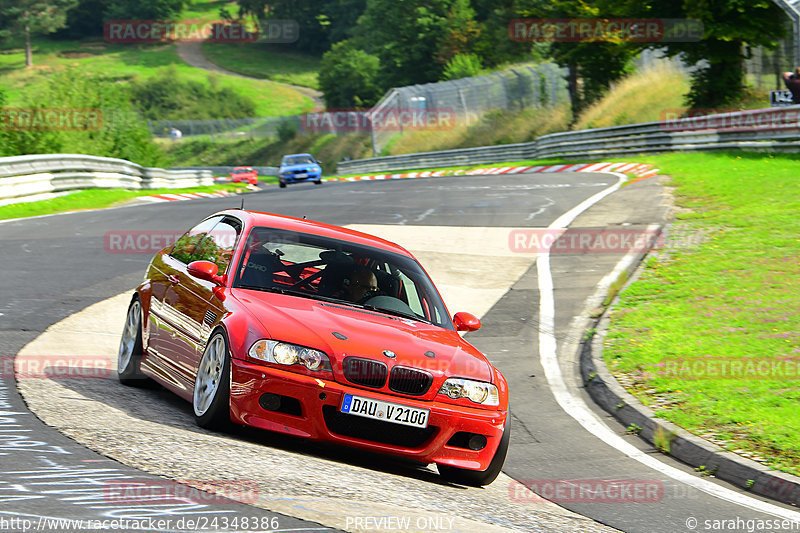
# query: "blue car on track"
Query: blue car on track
{"points": [[296, 168]]}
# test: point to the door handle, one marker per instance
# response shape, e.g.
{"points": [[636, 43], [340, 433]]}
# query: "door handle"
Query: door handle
{"points": [[174, 279]]}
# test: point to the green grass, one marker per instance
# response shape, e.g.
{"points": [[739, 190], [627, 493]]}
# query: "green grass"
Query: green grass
{"points": [[494, 127], [126, 61], [207, 10], [265, 61], [641, 97], [95, 199], [725, 288]]}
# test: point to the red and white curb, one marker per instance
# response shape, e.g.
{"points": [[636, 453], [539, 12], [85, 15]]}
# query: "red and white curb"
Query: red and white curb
{"points": [[640, 170], [184, 196]]}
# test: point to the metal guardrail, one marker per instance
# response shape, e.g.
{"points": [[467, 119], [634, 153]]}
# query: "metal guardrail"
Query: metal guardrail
{"points": [[764, 129], [28, 175]]}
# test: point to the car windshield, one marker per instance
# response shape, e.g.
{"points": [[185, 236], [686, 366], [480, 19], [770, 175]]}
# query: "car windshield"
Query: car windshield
{"points": [[339, 271], [297, 160], [242, 170]]}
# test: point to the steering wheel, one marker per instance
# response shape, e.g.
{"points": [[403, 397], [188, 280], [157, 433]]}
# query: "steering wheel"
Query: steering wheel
{"points": [[371, 294]]}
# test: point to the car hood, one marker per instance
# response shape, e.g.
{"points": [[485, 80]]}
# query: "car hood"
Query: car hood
{"points": [[368, 334], [304, 166]]}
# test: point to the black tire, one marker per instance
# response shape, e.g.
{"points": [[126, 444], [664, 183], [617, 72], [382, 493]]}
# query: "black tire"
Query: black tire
{"points": [[479, 478], [212, 385], [130, 353], [282, 185], [318, 182]]}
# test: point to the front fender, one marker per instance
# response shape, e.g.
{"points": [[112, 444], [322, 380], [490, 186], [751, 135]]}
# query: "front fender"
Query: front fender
{"points": [[243, 329], [145, 294]]}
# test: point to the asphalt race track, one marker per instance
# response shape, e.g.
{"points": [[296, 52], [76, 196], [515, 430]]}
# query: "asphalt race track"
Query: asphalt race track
{"points": [[57, 266]]}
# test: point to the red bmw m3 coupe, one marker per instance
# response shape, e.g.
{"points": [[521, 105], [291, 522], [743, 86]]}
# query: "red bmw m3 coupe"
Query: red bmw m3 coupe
{"points": [[319, 332]]}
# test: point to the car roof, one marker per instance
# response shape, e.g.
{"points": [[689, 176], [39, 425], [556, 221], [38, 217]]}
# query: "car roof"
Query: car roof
{"points": [[301, 225], [242, 168], [296, 155]]}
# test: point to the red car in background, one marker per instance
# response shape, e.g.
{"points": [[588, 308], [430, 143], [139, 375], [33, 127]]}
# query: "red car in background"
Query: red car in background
{"points": [[244, 174], [319, 332]]}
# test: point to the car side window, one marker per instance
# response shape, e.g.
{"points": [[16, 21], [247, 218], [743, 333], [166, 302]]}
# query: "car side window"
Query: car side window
{"points": [[185, 246], [218, 245]]}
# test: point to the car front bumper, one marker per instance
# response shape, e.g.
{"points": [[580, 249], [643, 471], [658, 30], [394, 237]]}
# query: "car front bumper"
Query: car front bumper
{"points": [[310, 409], [292, 178]]}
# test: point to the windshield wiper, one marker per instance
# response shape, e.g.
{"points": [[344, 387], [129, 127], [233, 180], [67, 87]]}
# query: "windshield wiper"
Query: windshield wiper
{"points": [[395, 313], [287, 291]]}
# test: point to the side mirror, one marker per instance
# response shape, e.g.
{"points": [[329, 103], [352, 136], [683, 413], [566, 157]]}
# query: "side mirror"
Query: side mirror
{"points": [[466, 322], [205, 270]]}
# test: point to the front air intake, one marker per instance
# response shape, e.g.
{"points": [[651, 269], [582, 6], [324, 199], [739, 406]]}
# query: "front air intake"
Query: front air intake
{"points": [[410, 381], [365, 372]]}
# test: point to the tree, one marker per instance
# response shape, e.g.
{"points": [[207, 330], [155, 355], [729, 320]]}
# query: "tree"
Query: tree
{"points": [[408, 45], [33, 17], [592, 65], [349, 76], [85, 19], [144, 10], [728, 25], [459, 32], [4, 143], [321, 23], [493, 44]]}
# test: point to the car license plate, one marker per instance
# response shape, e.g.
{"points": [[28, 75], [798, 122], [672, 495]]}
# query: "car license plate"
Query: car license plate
{"points": [[386, 411], [301, 174]]}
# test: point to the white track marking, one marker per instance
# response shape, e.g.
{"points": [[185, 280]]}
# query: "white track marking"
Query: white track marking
{"points": [[577, 408]]}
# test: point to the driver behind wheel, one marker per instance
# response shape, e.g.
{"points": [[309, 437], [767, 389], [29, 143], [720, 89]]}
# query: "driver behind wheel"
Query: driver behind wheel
{"points": [[361, 285]]}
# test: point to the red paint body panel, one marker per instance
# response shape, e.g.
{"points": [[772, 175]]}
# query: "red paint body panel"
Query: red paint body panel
{"points": [[248, 384]]}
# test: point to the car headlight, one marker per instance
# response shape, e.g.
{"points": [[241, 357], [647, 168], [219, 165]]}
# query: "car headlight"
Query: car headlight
{"points": [[477, 391], [284, 353]]}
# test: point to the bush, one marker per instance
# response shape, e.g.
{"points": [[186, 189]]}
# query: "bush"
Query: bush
{"points": [[349, 77], [287, 129], [167, 96], [121, 132], [462, 66]]}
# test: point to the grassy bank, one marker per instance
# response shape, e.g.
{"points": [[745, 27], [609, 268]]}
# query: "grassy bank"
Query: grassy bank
{"points": [[721, 298], [128, 61], [641, 97], [265, 61], [95, 199]]}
